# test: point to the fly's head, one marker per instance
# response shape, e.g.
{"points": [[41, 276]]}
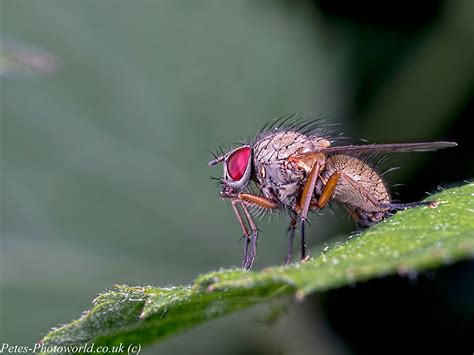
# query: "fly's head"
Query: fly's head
{"points": [[237, 170]]}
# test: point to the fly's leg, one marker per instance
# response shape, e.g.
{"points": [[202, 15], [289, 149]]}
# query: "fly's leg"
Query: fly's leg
{"points": [[246, 252], [244, 230], [304, 256], [322, 202], [328, 190], [291, 236], [258, 201], [402, 206], [312, 163], [251, 237], [392, 207], [304, 203]]}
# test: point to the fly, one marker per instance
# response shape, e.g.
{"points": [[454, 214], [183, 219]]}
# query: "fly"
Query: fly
{"points": [[295, 167]]}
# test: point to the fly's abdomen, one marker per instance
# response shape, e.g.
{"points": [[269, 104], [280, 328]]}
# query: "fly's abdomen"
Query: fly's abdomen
{"points": [[360, 188]]}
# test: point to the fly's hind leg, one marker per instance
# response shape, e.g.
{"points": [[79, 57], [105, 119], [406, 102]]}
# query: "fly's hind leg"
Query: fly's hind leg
{"points": [[393, 207], [402, 206], [367, 219]]}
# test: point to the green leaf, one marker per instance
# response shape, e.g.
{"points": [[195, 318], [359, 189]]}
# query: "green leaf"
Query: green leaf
{"points": [[411, 241]]}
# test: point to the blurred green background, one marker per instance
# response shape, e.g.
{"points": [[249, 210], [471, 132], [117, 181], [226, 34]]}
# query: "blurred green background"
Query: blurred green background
{"points": [[104, 176]]}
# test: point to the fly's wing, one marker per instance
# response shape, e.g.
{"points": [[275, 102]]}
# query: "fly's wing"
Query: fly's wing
{"points": [[388, 148]]}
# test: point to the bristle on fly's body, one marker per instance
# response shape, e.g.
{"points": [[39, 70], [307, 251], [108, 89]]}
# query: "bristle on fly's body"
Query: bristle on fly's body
{"points": [[309, 127]]}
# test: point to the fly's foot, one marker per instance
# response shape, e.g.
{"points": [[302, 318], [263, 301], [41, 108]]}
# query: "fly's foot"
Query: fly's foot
{"points": [[404, 206], [250, 250], [306, 258], [291, 236], [433, 204], [246, 252]]}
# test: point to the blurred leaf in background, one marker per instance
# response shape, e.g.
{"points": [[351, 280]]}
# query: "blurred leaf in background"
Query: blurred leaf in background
{"points": [[104, 162], [17, 58]]}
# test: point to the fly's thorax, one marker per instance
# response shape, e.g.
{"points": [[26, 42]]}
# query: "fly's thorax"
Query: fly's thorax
{"points": [[359, 185], [282, 144], [276, 175], [277, 180]]}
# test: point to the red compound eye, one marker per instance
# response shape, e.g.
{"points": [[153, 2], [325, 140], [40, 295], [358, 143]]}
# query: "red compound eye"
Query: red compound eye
{"points": [[237, 163]]}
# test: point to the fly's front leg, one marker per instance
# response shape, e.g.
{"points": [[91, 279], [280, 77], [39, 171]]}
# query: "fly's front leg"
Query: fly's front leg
{"points": [[252, 238], [259, 201], [244, 230]]}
